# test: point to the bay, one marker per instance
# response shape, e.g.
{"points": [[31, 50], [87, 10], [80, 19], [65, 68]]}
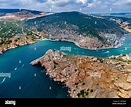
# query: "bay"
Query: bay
{"points": [[29, 81]]}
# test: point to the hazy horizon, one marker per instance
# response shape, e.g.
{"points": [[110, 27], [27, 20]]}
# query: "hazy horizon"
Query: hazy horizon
{"points": [[71, 11], [84, 6]]}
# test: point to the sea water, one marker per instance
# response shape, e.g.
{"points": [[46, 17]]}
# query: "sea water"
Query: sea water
{"points": [[27, 81]]}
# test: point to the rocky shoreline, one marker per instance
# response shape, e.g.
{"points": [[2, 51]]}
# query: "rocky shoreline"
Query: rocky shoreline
{"points": [[82, 44], [88, 77], [90, 48], [3, 48], [16, 41], [90, 43]]}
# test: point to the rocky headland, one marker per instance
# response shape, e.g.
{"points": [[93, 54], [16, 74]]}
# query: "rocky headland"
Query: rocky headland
{"points": [[16, 41], [87, 76]]}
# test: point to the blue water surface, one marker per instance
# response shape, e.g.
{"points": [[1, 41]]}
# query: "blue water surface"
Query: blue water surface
{"points": [[29, 81]]}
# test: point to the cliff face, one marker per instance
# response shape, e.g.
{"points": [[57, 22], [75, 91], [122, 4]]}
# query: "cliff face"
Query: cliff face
{"points": [[88, 77]]}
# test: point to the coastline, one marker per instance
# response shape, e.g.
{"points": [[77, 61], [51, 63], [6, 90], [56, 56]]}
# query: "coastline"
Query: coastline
{"points": [[76, 43], [44, 39], [82, 78], [4, 50]]}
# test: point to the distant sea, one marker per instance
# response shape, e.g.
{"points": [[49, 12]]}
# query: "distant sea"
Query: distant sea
{"points": [[29, 81], [126, 16]]}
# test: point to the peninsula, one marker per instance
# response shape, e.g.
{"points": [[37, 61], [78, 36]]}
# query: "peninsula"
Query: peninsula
{"points": [[87, 76]]}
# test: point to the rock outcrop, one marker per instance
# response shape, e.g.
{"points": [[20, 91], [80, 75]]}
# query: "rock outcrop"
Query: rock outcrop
{"points": [[129, 78], [86, 76], [16, 42]]}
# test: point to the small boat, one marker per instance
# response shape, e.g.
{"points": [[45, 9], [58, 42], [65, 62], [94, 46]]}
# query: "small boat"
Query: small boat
{"points": [[34, 74], [19, 61], [34, 48], [19, 87], [125, 48], [50, 87], [107, 52], [15, 69]]}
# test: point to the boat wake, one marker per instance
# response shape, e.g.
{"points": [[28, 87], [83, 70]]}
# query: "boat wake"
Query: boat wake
{"points": [[19, 66], [22, 66], [3, 80], [106, 52]]}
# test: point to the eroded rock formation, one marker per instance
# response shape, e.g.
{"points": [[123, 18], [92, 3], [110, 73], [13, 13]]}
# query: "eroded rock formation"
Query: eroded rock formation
{"points": [[88, 77]]}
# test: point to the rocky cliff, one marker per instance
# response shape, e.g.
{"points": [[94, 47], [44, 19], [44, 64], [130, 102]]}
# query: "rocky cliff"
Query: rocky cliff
{"points": [[88, 77]]}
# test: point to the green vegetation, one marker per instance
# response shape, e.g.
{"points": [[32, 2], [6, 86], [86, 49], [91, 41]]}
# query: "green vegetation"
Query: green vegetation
{"points": [[75, 23], [69, 57], [123, 19], [71, 25], [83, 83], [119, 58], [100, 59], [12, 32], [129, 61], [83, 93], [8, 29], [91, 90]]}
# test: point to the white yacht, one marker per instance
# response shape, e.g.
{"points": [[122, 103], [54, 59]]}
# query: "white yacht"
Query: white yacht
{"points": [[15, 69], [50, 87], [19, 61], [34, 74], [19, 87]]}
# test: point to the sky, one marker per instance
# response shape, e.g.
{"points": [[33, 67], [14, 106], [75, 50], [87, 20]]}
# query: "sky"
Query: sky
{"points": [[85, 6]]}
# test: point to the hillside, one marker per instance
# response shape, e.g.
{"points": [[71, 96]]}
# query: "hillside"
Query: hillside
{"points": [[85, 30], [14, 33], [7, 11], [74, 26], [123, 21]]}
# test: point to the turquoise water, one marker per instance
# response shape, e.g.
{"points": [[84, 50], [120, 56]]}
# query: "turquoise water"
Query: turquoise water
{"points": [[29, 81]]}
